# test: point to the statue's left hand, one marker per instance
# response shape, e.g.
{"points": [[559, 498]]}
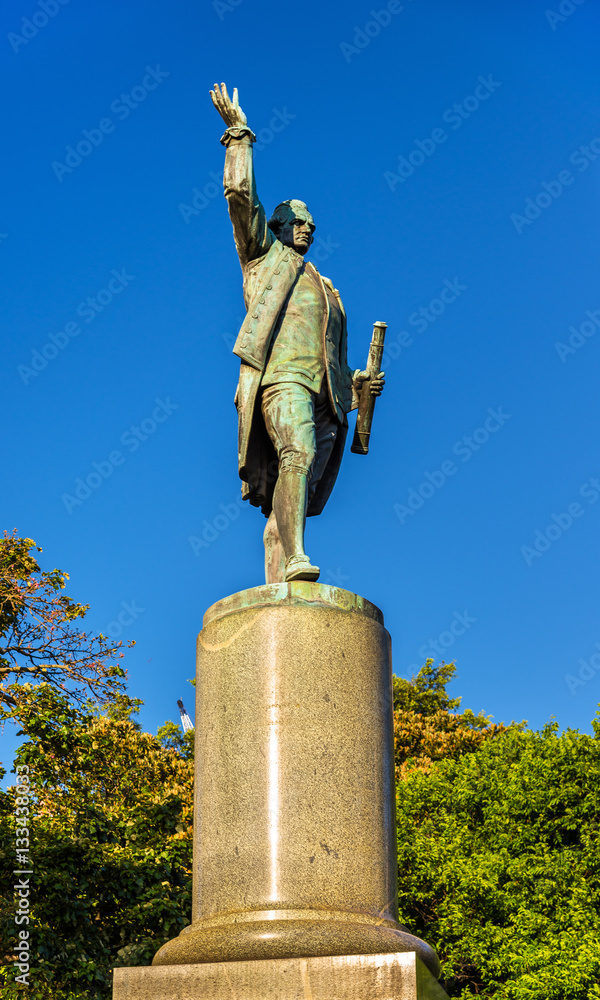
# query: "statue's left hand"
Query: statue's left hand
{"points": [[230, 110], [377, 382]]}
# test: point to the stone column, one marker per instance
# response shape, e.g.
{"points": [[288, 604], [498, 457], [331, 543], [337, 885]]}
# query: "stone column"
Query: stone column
{"points": [[294, 830]]}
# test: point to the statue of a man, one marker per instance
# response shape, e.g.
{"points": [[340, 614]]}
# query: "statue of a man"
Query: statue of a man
{"points": [[295, 385]]}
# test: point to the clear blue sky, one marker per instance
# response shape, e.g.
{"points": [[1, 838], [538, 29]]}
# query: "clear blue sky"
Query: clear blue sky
{"points": [[345, 106]]}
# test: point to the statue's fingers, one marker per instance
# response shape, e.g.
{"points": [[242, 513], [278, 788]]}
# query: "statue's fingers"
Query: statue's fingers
{"points": [[223, 105], [226, 96], [236, 100]]}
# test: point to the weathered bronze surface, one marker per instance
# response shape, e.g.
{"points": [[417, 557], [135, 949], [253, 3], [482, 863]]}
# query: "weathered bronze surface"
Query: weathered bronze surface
{"points": [[348, 977], [294, 825], [295, 385], [366, 407], [298, 594]]}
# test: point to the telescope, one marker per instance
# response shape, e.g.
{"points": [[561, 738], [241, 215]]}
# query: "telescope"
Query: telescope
{"points": [[366, 406]]}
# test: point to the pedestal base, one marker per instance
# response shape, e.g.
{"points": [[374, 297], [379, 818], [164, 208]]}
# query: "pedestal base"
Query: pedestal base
{"points": [[295, 873], [294, 826], [396, 976]]}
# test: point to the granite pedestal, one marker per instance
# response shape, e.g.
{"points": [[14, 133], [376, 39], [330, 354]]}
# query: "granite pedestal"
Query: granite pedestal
{"points": [[346, 977], [294, 824]]}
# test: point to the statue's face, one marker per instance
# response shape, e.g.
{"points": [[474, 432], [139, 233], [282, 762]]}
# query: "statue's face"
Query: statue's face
{"points": [[297, 231]]}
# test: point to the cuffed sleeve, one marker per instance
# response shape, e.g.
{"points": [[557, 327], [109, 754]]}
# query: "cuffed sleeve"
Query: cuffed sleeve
{"points": [[235, 132], [355, 392]]}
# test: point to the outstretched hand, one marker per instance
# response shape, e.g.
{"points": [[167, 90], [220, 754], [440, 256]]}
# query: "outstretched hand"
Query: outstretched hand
{"points": [[230, 110]]}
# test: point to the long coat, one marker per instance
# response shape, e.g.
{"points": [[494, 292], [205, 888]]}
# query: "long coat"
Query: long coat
{"points": [[270, 271]]}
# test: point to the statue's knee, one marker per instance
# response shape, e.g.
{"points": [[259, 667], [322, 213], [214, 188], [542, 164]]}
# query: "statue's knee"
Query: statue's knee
{"points": [[299, 461]]}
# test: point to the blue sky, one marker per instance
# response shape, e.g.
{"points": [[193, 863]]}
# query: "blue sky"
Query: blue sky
{"points": [[450, 154]]}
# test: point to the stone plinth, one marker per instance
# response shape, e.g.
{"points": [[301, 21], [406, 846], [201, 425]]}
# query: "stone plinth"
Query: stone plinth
{"points": [[349, 977], [294, 827]]}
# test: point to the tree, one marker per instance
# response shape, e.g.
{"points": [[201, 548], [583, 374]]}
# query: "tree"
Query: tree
{"points": [[426, 728], [425, 693], [40, 638], [111, 845], [499, 866], [171, 736]]}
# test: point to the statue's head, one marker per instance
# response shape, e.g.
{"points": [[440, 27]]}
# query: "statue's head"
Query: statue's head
{"points": [[293, 225]]}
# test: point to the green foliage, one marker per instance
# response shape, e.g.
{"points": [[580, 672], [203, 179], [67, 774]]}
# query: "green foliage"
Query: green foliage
{"points": [[426, 693], [425, 728], [499, 857], [40, 636], [119, 708], [499, 865], [112, 846], [170, 735]]}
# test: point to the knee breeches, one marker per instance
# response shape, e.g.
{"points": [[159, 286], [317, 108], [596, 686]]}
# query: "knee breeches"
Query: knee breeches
{"points": [[301, 426]]}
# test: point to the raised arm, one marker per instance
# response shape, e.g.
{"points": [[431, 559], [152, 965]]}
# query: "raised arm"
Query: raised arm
{"points": [[252, 235]]}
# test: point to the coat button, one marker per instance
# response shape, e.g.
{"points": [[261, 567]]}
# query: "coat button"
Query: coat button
{"points": [[255, 316], [277, 271], [269, 287]]}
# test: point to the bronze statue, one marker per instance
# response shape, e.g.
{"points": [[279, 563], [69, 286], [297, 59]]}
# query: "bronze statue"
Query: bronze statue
{"points": [[295, 385]]}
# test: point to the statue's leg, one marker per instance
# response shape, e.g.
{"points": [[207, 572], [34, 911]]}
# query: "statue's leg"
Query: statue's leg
{"points": [[289, 506], [274, 553], [288, 414]]}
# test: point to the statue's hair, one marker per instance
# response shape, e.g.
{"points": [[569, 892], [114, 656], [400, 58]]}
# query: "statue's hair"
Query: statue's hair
{"points": [[284, 212]]}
